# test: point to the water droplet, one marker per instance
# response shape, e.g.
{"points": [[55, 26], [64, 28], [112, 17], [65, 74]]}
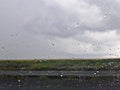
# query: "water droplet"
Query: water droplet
{"points": [[100, 85], [105, 15], [95, 73], [117, 80], [53, 44], [22, 68], [3, 47], [76, 25], [73, 59], [19, 80], [44, 60], [30, 72], [110, 54], [68, 28], [109, 12], [9, 85], [77, 85], [47, 86], [19, 85], [11, 35], [61, 75]]}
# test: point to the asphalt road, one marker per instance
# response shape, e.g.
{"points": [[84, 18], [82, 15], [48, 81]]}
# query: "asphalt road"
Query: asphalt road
{"points": [[63, 73], [33, 83], [108, 80]]}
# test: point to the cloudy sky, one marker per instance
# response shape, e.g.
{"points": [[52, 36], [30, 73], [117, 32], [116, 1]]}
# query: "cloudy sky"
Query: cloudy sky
{"points": [[59, 29]]}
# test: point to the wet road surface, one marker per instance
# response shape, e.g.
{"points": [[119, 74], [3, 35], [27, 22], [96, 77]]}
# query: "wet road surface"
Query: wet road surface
{"points": [[30, 80], [63, 73], [33, 83]]}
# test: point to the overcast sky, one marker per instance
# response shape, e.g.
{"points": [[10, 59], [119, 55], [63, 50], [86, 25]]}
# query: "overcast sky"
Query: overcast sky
{"points": [[32, 29]]}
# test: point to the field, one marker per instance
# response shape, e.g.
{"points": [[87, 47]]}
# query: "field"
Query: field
{"points": [[60, 64]]}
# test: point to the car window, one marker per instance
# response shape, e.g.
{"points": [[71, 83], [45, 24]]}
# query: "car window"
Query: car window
{"points": [[59, 44]]}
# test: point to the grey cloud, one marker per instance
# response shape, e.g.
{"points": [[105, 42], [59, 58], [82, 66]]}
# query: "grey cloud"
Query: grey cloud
{"points": [[111, 13], [55, 21], [38, 23]]}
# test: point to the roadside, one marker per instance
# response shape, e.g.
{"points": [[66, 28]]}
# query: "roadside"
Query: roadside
{"points": [[60, 64]]}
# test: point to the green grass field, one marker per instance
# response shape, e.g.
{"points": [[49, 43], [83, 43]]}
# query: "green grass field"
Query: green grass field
{"points": [[60, 64]]}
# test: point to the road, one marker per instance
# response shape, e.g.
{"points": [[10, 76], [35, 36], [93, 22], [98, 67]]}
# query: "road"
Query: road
{"points": [[111, 81], [62, 73], [33, 83]]}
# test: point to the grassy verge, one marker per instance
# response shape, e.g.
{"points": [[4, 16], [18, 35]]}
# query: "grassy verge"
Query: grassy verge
{"points": [[60, 64]]}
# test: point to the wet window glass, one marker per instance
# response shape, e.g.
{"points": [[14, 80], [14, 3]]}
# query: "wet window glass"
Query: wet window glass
{"points": [[59, 44]]}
